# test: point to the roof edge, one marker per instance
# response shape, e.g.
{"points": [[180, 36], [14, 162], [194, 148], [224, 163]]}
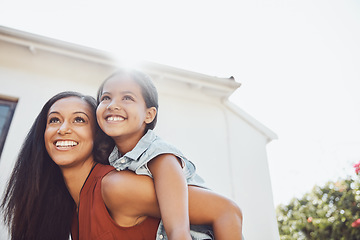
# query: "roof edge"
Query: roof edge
{"points": [[269, 134], [225, 86]]}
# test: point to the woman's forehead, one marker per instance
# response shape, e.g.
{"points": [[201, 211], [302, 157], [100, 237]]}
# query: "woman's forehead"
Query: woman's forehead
{"points": [[71, 104]]}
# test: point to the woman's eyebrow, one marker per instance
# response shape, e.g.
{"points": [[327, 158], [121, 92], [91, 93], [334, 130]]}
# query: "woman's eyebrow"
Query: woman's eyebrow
{"points": [[53, 112], [82, 113]]}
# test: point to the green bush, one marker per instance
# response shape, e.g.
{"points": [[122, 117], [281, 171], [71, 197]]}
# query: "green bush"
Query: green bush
{"points": [[326, 212]]}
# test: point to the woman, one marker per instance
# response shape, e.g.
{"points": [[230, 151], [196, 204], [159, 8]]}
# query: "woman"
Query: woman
{"points": [[56, 167]]}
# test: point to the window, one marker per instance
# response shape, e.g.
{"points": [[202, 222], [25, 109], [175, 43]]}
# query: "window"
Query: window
{"points": [[7, 108]]}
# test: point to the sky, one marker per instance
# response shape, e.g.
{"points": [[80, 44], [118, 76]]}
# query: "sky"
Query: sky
{"points": [[297, 62]]}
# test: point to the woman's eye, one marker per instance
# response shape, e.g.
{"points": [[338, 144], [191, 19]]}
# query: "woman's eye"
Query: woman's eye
{"points": [[54, 120], [79, 120]]}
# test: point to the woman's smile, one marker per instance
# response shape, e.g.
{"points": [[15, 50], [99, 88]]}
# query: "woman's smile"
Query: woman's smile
{"points": [[65, 144]]}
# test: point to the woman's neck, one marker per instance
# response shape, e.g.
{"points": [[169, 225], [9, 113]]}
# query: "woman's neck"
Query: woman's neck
{"points": [[75, 178]]}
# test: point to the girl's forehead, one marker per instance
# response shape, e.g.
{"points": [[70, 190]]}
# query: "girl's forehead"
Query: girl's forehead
{"points": [[121, 83]]}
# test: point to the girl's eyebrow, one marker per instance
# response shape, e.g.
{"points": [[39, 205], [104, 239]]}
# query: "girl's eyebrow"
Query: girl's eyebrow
{"points": [[122, 92], [128, 92]]}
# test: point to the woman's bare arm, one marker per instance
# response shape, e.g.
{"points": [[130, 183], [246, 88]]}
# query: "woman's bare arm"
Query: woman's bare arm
{"points": [[130, 198], [208, 207]]}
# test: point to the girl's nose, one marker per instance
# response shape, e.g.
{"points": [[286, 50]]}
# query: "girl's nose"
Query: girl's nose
{"points": [[113, 106]]}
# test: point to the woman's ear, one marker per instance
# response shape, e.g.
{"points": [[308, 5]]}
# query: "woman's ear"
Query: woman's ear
{"points": [[150, 115]]}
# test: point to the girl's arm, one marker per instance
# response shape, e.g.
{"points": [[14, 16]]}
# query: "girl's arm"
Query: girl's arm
{"points": [[172, 194]]}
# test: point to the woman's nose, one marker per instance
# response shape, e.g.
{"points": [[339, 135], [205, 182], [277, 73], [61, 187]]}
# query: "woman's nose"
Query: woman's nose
{"points": [[64, 129]]}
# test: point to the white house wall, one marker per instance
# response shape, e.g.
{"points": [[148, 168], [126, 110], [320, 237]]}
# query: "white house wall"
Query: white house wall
{"points": [[228, 149], [250, 171]]}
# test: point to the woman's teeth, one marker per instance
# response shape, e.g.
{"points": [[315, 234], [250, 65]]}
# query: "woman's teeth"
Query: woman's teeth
{"points": [[66, 143]]}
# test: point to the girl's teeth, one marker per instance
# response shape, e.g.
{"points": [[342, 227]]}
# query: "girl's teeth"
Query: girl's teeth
{"points": [[115, 118]]}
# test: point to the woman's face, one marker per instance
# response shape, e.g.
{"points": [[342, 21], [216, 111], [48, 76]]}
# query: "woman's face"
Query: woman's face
{"points": [[69, 132]]}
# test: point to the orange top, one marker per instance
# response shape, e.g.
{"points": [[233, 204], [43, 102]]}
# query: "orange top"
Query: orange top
{"points": [[93, 221]]}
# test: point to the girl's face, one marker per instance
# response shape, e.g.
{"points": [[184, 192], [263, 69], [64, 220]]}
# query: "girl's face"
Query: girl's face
{"points": [[70, 132], [122, 111]]}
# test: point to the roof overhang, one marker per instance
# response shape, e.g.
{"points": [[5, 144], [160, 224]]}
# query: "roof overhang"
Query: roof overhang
{"points": [[223, 87]]}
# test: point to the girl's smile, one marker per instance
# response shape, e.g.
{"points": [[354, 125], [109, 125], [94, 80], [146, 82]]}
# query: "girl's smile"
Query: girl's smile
{"points": [[111, 118]]}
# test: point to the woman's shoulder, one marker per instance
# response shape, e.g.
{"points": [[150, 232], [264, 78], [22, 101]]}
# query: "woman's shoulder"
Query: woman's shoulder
{"points": [[121, 186], [126, 193], [116, 182], [112, 190]]}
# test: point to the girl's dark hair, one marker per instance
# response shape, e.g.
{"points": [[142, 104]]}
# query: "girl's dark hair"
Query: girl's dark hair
{"points": [[146, 84], [36, 203]]}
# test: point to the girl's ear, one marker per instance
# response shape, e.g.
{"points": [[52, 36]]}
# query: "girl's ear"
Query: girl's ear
{"points": [[150, 115]]}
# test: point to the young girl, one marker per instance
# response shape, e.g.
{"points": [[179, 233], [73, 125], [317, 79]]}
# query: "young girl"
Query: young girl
{"points": [[127, 112]]}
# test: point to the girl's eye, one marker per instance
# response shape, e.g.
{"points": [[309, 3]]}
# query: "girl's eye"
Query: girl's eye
{"points": [[104, 98], [128, 98], [54, 120], [79, 120]]}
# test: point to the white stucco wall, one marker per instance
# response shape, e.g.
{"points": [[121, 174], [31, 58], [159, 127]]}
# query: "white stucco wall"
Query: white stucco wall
{"points": [[208, 129], [251, 173]]}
